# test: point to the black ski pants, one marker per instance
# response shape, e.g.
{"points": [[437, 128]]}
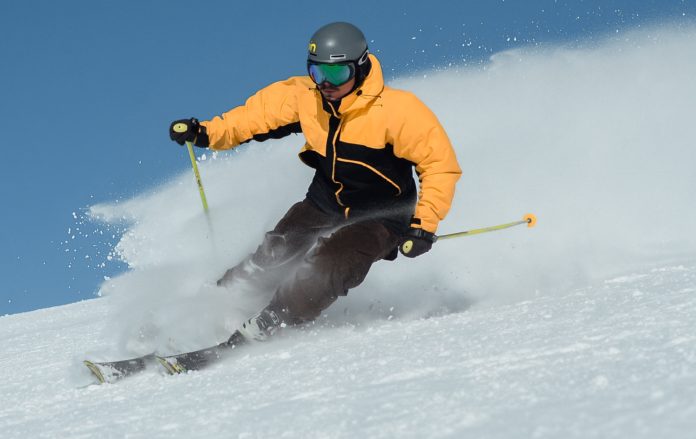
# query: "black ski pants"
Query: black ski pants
{"points": [[311, 257]]}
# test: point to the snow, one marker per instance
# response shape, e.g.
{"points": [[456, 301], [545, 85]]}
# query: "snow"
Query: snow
{"points": [[600, 361], [582, 327]]}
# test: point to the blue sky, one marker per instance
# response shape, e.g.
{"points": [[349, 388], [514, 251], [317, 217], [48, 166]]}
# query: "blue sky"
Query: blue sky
{"points": [[88, 89]]}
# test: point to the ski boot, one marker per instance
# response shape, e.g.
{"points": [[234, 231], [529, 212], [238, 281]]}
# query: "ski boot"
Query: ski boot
{"points": [[262, 325]]}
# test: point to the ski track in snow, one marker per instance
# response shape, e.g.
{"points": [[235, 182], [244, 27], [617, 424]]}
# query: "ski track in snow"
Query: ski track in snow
{"points": [[580, 328], [612, 360]]}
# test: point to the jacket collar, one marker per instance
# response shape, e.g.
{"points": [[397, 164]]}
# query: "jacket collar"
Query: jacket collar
{"points": [[371, 89]]}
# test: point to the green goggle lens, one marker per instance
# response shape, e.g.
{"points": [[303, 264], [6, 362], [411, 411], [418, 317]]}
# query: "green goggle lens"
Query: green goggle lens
{"points": [[334, 74]]}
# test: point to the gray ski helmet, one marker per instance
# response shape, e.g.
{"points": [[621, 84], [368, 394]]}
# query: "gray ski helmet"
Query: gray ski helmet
{"points": [[338, 42]]}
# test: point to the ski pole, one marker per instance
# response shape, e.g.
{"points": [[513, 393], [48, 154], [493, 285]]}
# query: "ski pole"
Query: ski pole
{"points": [[528, 219], [198, 175], [182, 128]]}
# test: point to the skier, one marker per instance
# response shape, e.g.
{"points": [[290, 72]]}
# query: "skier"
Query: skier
{"points": [[363, 139]]}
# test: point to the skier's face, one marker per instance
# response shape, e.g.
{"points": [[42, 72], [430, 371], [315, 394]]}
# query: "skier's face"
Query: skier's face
{"points": [[335, 92]]}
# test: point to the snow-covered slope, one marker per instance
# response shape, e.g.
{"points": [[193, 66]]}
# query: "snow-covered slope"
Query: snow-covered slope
{"points": [[582, 327], [611, 360]]}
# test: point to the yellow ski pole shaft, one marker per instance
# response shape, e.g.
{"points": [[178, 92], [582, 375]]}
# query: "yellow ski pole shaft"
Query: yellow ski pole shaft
{"points": [[528, 219], [182, 128], [198, 176]]}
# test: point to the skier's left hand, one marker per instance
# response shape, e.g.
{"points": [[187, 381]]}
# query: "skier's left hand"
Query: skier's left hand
{"points": [[416, 242]]}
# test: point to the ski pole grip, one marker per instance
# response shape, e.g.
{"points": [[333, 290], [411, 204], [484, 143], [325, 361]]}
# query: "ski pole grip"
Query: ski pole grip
{"points": [[180, 128], [407, 246]]}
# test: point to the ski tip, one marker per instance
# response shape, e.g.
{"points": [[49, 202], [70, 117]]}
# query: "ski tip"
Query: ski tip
{"points": [[95, 371], [531, 220]]}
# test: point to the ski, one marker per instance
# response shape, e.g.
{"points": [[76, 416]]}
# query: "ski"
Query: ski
{"points": [[112, 371], [196, 360]]}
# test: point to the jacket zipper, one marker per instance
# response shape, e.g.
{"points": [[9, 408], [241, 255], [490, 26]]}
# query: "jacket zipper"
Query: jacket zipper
{"points": [[346, 209]]}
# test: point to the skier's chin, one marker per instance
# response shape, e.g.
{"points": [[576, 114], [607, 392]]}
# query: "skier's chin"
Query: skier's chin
{"points": [[332, 94], [335, 93]]}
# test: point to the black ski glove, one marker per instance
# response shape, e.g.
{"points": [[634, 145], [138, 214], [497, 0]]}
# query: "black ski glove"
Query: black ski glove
{"points": [[416, 242], [189, 130]]}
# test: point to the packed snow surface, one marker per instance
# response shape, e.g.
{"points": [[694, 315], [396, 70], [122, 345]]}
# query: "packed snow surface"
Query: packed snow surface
{"points": [[581, 327], [612, 360]]}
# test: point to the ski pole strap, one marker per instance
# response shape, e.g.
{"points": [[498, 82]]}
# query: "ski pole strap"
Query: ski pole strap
{"points": [[528, 219], [198, 176]]}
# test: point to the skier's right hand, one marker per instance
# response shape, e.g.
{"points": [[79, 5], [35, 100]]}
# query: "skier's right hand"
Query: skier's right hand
{"points": [[189, 130], [416, 242]]}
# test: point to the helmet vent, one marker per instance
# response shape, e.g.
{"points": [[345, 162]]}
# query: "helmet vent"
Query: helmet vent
{"points": [[338, 56]]}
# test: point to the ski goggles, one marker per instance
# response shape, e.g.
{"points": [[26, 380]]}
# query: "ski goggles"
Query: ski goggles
{"points": [[334, 74]]}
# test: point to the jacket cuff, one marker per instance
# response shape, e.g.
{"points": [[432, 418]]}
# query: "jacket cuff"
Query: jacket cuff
{"points": [[202, 140], [417, 223]]}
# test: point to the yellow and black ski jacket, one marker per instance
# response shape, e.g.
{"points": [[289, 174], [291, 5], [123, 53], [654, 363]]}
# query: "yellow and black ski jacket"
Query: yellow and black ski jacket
{"points": [[363, 151]]}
